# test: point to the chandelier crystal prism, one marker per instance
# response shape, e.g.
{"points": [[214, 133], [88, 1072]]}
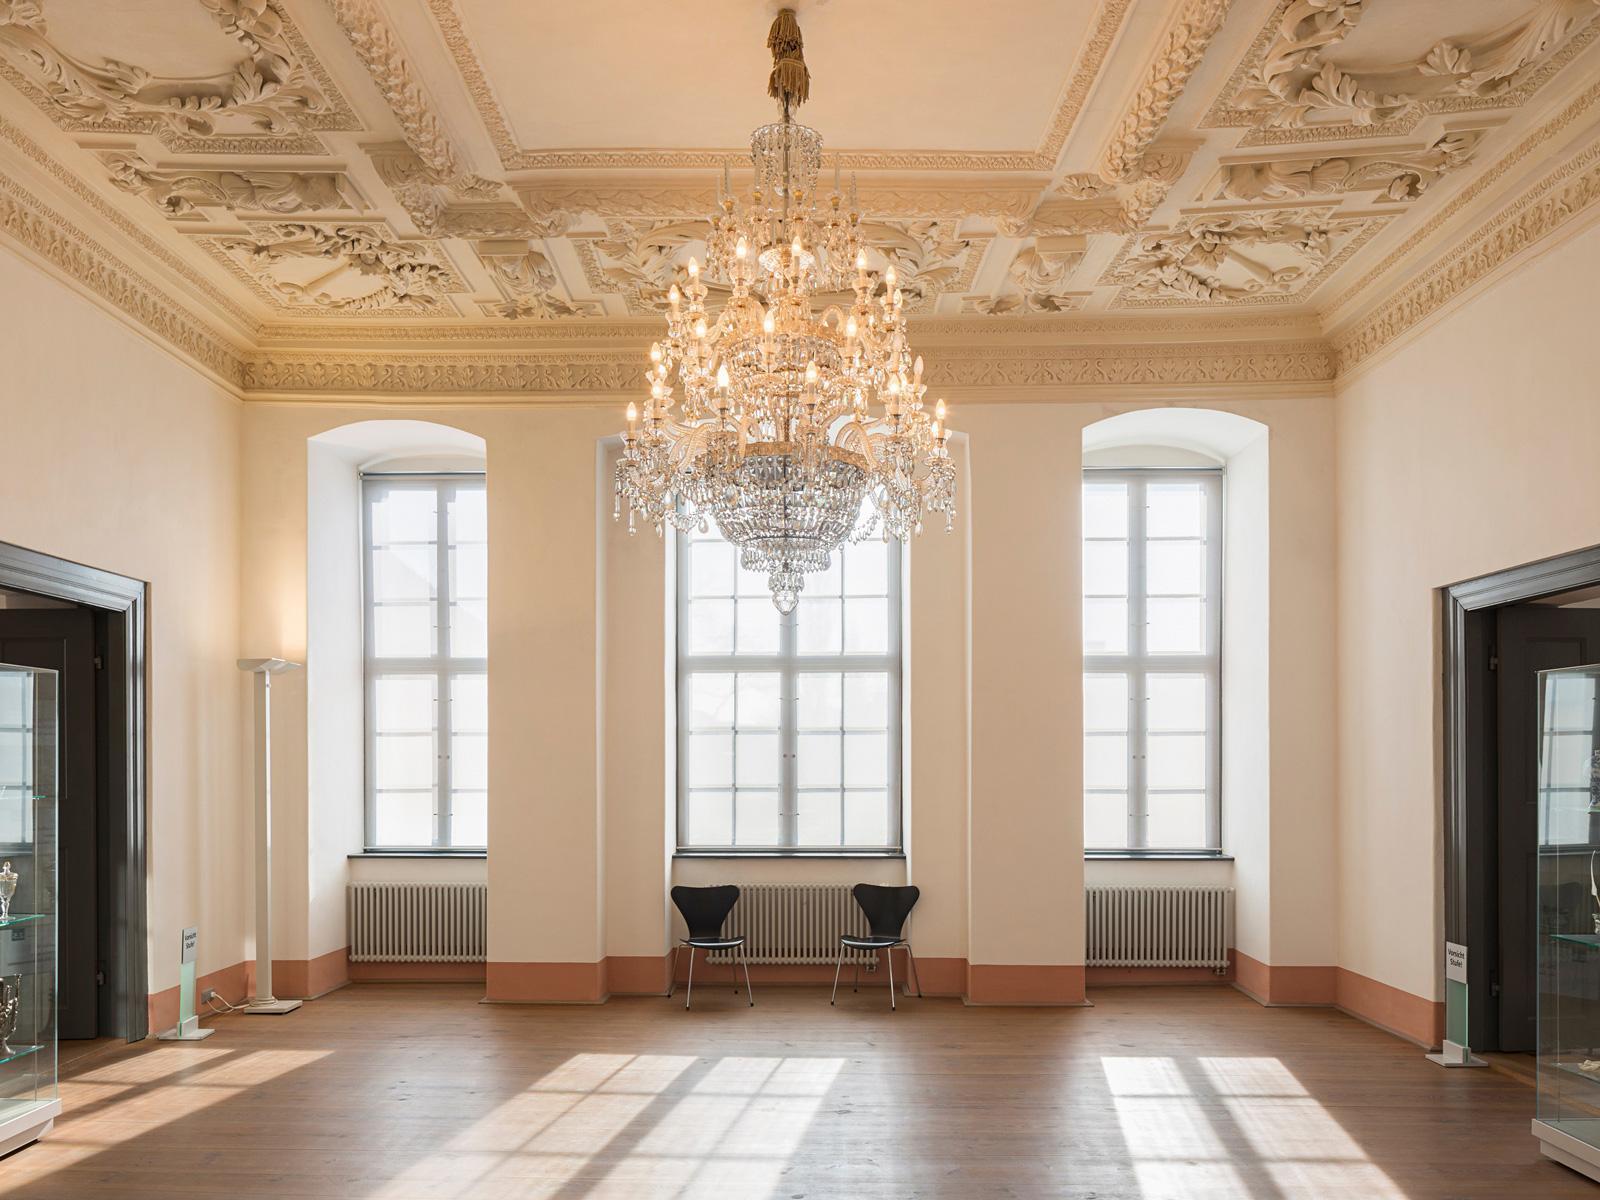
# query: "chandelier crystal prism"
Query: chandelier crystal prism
{"points": [[781, 414]]}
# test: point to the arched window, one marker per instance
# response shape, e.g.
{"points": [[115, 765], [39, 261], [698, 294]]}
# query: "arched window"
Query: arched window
{"points": [[1153, 568], [422, 512]]}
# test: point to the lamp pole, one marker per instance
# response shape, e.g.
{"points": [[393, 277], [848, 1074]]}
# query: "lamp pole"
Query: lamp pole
{"points": [[264, 1002]]}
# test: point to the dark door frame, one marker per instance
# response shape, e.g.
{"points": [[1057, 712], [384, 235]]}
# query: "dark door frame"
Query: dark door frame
{"points": [[124, 599], [1470, 787]]}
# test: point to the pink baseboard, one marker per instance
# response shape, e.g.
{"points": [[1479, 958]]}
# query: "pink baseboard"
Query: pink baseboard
{"points": [[1025, 984], [545, 982], [1267, 983], [1398, 1012], [308, 978], [1154, 976]]}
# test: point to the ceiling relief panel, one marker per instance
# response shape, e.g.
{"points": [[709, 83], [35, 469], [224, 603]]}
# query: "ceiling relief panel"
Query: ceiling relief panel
{"points": [[197, 194], [306, 267], [484, 171], [1270, 257], [204, 76], [1339, 69]]}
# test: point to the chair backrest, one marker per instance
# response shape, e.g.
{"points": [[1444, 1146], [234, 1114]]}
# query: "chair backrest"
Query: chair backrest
{"points": [[704, 909], [886, 907]]}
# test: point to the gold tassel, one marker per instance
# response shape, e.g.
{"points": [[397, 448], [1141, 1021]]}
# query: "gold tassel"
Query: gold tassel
{"points": [[790, 82]]}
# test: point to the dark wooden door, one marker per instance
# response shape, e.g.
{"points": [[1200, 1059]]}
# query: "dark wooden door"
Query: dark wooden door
{"points": [[1529, 638], [62, 639]]}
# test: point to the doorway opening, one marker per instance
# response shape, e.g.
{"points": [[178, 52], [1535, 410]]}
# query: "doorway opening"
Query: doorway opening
{"points": [[1500, 630], [88, 626]]}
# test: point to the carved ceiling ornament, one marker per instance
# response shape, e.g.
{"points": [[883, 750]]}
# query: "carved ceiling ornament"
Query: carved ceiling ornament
{"points": [[344, 268], [273, 93], [1292, 88], [527, 283], [1398, 175], [181, 193], [1040, 274], [1226, 258], [1179, 53], [641, 259]]}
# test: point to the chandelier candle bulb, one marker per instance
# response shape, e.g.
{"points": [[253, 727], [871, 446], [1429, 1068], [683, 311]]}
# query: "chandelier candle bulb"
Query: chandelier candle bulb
{"points": [[810, 433]]}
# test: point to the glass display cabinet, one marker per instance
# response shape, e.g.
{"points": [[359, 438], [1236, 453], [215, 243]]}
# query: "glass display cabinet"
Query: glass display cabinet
{"points": [[29, 769], [1567, 1120]]}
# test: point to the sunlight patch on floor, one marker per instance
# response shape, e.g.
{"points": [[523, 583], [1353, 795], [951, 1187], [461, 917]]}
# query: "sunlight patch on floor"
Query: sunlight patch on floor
{"points": [[1234, 1128], [696, 1124]]}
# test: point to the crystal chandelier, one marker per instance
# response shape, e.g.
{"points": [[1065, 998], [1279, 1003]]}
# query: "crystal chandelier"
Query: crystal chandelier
{"points": [[780, 414]]}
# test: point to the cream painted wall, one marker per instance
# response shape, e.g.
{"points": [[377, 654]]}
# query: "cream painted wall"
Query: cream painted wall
{"points": [[1470, 449], [581, 821], [118, 456]]}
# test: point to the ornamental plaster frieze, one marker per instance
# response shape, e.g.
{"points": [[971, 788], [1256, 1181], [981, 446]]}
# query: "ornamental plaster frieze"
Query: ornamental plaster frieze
{"points": [[1091, 58], [1563, 198], [47, 235], [1293, 86], [973, 370], [271, 100]]}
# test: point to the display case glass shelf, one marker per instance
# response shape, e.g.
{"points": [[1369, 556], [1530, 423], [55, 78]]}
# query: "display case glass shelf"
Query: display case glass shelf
{"points": [[1568, 935], [29, 769]]}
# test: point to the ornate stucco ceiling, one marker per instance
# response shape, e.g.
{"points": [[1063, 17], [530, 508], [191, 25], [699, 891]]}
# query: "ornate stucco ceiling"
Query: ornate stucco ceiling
{"points": [[457, 168]]}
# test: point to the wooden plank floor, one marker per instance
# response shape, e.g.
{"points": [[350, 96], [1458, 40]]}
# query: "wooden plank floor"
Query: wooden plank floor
{"points": [[394, 1090]]}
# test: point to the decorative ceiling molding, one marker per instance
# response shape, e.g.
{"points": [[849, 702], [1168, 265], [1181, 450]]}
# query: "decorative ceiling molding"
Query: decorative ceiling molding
{"points": [[1399, 175], [346, 267], [269, 102], [527, 284], [1290, 88], [1269, 256], [1564, 196], [126, 228], [181, 193], [380, 52], [1426, 234], [1180, 52], [513, 157], [45, 233], [605, 375], [1039, 274]]}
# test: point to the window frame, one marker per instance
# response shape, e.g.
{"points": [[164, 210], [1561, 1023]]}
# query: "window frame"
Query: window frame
{"points": [[440, 665], [1137, 663], [789, 664]]}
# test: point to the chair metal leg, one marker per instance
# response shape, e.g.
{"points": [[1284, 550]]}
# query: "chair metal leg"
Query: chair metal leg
{"points": [[912, 959], [689, 994], [745, 961], [839, 966], [889, 954], [672, 979], [733, 971], [855, 984]]}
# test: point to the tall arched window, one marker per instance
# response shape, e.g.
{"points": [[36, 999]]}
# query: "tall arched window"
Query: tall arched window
{"points": [[1153, 570]]}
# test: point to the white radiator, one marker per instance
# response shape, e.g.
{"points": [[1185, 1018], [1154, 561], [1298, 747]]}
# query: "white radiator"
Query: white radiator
{"points": [[1159, 926], [418, 922], [793, 923]]}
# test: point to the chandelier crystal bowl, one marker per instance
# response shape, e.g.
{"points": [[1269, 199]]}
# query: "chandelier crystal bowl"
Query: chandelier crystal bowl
{"points": [[780, 414]]}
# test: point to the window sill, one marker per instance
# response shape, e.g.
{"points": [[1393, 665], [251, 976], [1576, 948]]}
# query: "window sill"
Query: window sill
{"points": [[789, 854], [1156, 856], [420, 854]]}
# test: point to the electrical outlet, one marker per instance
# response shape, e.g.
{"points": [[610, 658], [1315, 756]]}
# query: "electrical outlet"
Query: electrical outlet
{"points": [[208, 995]]}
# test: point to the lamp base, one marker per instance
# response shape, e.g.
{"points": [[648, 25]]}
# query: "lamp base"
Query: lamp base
{"points": [[270, 1007]]}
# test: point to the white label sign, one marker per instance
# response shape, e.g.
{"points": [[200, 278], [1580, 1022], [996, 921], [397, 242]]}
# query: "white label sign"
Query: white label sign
{"points": [[1455, 962], [190, 938]]}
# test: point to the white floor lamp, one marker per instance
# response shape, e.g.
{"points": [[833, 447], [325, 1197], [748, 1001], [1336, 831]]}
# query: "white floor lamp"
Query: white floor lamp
{"points": [[264, 1002]]}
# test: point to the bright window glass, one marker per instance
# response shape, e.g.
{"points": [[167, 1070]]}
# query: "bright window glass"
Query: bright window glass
{"points": [[426, 588], [1152, 572], [788, 726]]}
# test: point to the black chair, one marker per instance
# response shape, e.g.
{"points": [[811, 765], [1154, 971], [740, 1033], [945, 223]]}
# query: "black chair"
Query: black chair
{"points": [[886, 909], [704, 910]]}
